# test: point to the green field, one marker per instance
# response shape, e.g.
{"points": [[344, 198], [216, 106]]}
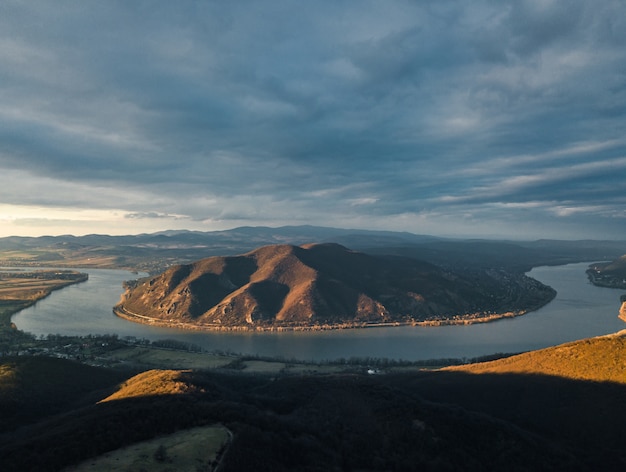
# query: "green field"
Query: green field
{"points": [[185, 451]]}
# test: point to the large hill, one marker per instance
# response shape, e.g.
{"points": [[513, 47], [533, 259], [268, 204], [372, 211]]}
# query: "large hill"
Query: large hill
{"points": [[322, 285]]}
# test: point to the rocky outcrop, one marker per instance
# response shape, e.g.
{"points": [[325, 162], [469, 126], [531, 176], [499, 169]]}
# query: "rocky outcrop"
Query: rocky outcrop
{"points": [[622, 310]]}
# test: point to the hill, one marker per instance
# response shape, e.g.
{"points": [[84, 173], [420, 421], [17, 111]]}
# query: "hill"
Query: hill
{"points": [[609, 274], [321, 286], [599, 359], [35, 387]]}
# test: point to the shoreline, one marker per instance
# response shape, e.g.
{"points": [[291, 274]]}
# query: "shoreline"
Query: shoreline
{"points": [[601, 280], [15, 305], [121, 312]]}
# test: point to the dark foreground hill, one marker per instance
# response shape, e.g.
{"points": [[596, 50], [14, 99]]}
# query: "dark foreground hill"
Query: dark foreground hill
{"points": [[532, 412], [323, 285]]}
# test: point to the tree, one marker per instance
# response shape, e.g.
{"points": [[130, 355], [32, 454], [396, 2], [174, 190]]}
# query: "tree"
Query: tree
{"points": [[160, 455]]}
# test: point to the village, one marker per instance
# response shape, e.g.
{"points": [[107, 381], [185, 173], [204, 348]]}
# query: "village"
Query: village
{"points": [[603, 279]]}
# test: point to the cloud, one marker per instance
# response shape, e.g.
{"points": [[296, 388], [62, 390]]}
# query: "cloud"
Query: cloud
{"points": [[407, 114], [150, 215]]}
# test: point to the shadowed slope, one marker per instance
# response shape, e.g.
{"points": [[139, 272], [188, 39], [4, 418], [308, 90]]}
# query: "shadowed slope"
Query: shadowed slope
{"points": [[345, 422], [573, 394], [34, 387]]}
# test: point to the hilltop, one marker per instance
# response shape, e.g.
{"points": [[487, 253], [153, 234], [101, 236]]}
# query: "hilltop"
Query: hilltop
{"points": [[321, 286], [599, 359]]}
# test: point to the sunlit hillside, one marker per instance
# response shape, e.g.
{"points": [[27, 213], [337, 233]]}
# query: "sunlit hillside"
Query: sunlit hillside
{"points": [[599, 359], [152, 382]]}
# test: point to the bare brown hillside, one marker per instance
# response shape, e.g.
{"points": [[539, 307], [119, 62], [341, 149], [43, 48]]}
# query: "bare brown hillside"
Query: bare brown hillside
{"points": [[599, 359], [318, 285]]}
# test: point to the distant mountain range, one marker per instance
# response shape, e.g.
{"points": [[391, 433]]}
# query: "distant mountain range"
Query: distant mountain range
{"points": [[155, 252], [321, 286]]}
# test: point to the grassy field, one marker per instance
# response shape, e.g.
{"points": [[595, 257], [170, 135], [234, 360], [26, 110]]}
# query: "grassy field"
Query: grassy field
{"points": [[166, 358], [140, 357], [96, 256], [84, 257], [185, 451]]}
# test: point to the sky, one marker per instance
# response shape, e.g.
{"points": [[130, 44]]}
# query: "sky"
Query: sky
{"points": [[496, 119]]}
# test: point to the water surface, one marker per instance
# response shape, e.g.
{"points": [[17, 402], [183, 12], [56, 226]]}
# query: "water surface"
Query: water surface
{"points": [[580, 310]]}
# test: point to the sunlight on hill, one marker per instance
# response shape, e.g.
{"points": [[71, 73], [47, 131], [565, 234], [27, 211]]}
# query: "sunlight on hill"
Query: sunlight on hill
{"points": [[600, 359], [152, 382], [8, 379]]}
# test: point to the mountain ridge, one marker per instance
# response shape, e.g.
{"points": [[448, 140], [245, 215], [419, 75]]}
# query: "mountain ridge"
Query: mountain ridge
{"points": [[320, 286], [155, 252]]}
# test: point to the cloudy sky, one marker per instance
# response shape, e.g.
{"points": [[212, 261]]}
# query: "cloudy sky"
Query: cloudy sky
{"points": [[454, 118]]}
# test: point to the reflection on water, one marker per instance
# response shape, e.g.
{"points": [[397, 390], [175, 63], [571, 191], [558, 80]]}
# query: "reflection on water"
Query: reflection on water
{"points": [[579, 310]]}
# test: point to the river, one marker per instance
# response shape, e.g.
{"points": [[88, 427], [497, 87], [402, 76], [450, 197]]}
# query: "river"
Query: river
{"points": [[580, 310]]}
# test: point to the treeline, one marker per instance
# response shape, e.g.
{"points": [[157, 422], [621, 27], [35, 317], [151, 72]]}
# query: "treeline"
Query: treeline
{"points": [[176, 345], [384, 362], [367, 361]]}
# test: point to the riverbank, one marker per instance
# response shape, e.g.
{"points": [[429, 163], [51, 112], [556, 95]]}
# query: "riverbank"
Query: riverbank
{"points": [[21, 289], [602, 279], [580, 310], [468, 319]]}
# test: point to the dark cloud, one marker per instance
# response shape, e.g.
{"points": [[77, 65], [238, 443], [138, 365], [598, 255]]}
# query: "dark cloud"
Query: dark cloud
{"points": [[431, 116]]}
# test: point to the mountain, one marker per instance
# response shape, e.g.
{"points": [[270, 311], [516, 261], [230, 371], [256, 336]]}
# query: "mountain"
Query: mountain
{"points": [[155, 252], [321, 285]]}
